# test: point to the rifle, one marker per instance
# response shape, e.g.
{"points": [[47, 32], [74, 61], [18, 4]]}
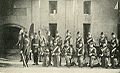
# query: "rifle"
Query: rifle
{"points": [[23, 57]]}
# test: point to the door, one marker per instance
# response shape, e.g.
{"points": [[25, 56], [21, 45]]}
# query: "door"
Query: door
{"points": [[53, 28], [118, 32], [86, 30]]}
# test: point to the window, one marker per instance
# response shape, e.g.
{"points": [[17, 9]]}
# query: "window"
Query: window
{"points": [[87, 7], [53, 7]]}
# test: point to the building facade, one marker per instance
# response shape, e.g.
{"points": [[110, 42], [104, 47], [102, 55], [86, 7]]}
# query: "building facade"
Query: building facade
{"points": [[93, 16]]}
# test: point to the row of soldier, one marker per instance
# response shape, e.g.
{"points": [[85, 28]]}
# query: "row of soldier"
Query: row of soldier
{"points": [[50, 51]]}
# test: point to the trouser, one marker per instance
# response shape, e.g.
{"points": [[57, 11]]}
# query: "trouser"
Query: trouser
{"points": [[30, 56], [41, 53], [114, 62], [35, 57], [92, 58], [80, 61], [50, 57], [25, 59], [68, 60], [45, 60], [56, 60], [104, 61]]}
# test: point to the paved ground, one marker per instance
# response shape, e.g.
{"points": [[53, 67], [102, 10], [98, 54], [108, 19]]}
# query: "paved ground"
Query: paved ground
{"points": [[14, 66]]}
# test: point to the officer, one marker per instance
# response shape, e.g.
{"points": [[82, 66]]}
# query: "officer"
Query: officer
{"points": [[26, 50], [80, 50], [58, 40], [114, 50], [105, 55], [56, 54], [35, 46]]}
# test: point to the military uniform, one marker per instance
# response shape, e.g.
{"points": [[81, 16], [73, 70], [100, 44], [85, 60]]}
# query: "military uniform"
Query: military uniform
{"points": [[68, 54], [56, 55], [102, 41], [89, 40], [35, 46], [80, 50], [42, 46], [113, 52], [105, 56], [58, 40], [20, 44], [92, 55], [26, 51], [50, 47], [46, 57]]}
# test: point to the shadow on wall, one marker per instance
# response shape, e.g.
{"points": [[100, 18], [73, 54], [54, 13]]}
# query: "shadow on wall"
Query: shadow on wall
{"points": [[9, 34]]}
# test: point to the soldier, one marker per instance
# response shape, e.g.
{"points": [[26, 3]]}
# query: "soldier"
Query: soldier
{"points": [[80, 50], [26, 50], [46, 56], [114, 50], [68, 53], [58, 40], [56, 54], [102, 40], [105, 55], [20, 44], [42, 46], [35, 46], [92, 54], [89, 40], [50, 46]]}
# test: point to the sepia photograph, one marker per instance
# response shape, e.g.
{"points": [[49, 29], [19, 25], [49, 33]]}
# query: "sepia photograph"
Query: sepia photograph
{"points": [[59, 36]]}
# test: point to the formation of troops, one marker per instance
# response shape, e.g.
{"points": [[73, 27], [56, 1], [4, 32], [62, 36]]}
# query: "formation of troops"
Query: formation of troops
{"points": [[51, 50]]}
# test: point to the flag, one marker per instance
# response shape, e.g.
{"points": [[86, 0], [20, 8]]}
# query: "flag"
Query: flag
{"points": [[116, 6]]}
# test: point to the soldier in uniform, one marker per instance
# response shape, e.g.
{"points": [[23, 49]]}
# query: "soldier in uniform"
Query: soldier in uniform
{"points": [[20, 44], [56, 54], [50, 46], [105, 55], [80, 50], [35, 46], [102, 40], [114, 50], [26, 50], [45, 56], [92, 54], [68, 53], [42, 46], [58, 39], [89, 40]]}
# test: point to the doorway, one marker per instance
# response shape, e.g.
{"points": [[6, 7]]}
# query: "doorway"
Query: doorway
{"points": [[8, 39], [86, 30], [53, 28]]}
